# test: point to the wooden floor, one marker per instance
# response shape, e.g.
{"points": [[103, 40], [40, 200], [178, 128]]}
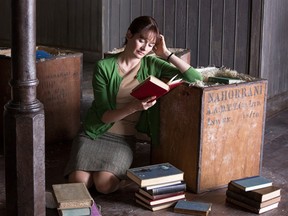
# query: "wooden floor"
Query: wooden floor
{"points": [[275, 167]]}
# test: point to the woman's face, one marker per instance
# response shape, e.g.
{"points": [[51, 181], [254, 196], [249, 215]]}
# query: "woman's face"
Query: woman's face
{"points": [[140, 44]]}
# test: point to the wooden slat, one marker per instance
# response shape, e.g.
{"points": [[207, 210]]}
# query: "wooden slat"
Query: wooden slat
{"points": [[180, 24], [216, 32], [274, 50], [169, 22], [204, 34], [242, 36], [114, 24], [95, 33], [193, 30], [228, 33]]}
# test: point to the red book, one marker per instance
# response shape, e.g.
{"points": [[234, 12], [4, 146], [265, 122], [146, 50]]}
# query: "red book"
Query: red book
{"points": [[153, 86]]}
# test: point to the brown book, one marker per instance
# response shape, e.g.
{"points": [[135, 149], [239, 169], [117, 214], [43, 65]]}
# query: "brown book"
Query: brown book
{"points": [[72, 195], [156, 207], [260, 195], [159, 201], [250, 208], [159, 196], [252, 202]]}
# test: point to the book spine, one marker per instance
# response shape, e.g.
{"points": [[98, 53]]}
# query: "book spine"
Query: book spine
{"points": [[218, 80], [250, 194], [243, 199], [167, 189]]}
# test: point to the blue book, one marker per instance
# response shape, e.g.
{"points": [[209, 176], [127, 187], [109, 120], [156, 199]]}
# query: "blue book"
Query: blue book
{"points": [[89, 211], [155, 174], [252, 183], [193, 208], [75, 212]]}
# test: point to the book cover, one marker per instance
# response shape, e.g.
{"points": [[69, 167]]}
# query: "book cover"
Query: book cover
{"points": [[158, 201], [156, 207], [153, 86], [252, 202], [161, 196], [252, 183], [162, 185], [260, 195], [75, 212], [192, 207], [167, 189], [155, 174], [224, 80], [250, 208], [72, 195]]}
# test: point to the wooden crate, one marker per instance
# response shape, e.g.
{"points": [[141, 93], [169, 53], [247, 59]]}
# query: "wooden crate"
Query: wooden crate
{"points": [[214, 134], [59, 90]]}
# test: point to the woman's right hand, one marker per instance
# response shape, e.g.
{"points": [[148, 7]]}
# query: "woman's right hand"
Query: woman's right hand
{"points": [[135, 105], [144, 104]]}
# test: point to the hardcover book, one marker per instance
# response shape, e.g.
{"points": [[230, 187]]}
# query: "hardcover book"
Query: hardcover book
{"points": [[159, 201], [252, 183], [93, 211], [193, 208], [75, 212], [72, 195], [224, 80], [260, 195], [250, 208], [162, 185], [153, 86], [161, 196], [252, 202], [156, 207], [166, 189], [155, 174]]}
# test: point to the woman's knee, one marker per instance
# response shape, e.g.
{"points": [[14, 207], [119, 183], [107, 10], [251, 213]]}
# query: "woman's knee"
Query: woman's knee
{"points": [[81, 177], [105, 182]]}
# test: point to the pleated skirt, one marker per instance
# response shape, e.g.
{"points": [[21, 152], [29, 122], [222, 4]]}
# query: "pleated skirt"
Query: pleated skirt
{"points": [[110, 152]]}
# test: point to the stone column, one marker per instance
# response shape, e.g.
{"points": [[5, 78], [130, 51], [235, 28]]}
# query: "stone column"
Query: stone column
{"points": [[24, 121]]}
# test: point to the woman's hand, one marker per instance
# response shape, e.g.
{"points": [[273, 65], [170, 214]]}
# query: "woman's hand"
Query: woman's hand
{"points": [[136, 105], [139, 105], [160, 48]]}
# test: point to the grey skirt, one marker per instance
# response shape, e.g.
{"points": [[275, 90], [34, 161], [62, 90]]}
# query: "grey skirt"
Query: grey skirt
{"points": [[110, 152]]}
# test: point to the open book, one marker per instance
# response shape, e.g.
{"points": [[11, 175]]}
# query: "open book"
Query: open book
{"points": [[153, 86]]}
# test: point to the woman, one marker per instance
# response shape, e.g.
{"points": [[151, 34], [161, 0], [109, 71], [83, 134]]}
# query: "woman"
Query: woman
{"points": [[103, 152]]}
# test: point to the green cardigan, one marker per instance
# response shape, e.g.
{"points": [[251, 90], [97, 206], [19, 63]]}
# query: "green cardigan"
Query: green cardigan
{"points": [[106, 82]]}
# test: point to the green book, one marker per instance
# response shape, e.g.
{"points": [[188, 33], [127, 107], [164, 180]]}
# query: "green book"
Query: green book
{"points": [[192, 207], [224, 80], [155, 174], [252, 183]]}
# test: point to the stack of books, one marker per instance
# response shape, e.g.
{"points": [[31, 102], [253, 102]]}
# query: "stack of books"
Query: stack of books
{"points": [[160, 185], [74, 199], [256, 194]]}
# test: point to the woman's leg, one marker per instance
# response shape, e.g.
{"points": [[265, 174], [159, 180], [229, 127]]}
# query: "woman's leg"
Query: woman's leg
{"points": [[105, 182], [81, 176]]}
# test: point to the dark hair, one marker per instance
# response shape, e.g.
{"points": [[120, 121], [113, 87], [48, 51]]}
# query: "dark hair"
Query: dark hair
{"points": [[145, 23]]}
